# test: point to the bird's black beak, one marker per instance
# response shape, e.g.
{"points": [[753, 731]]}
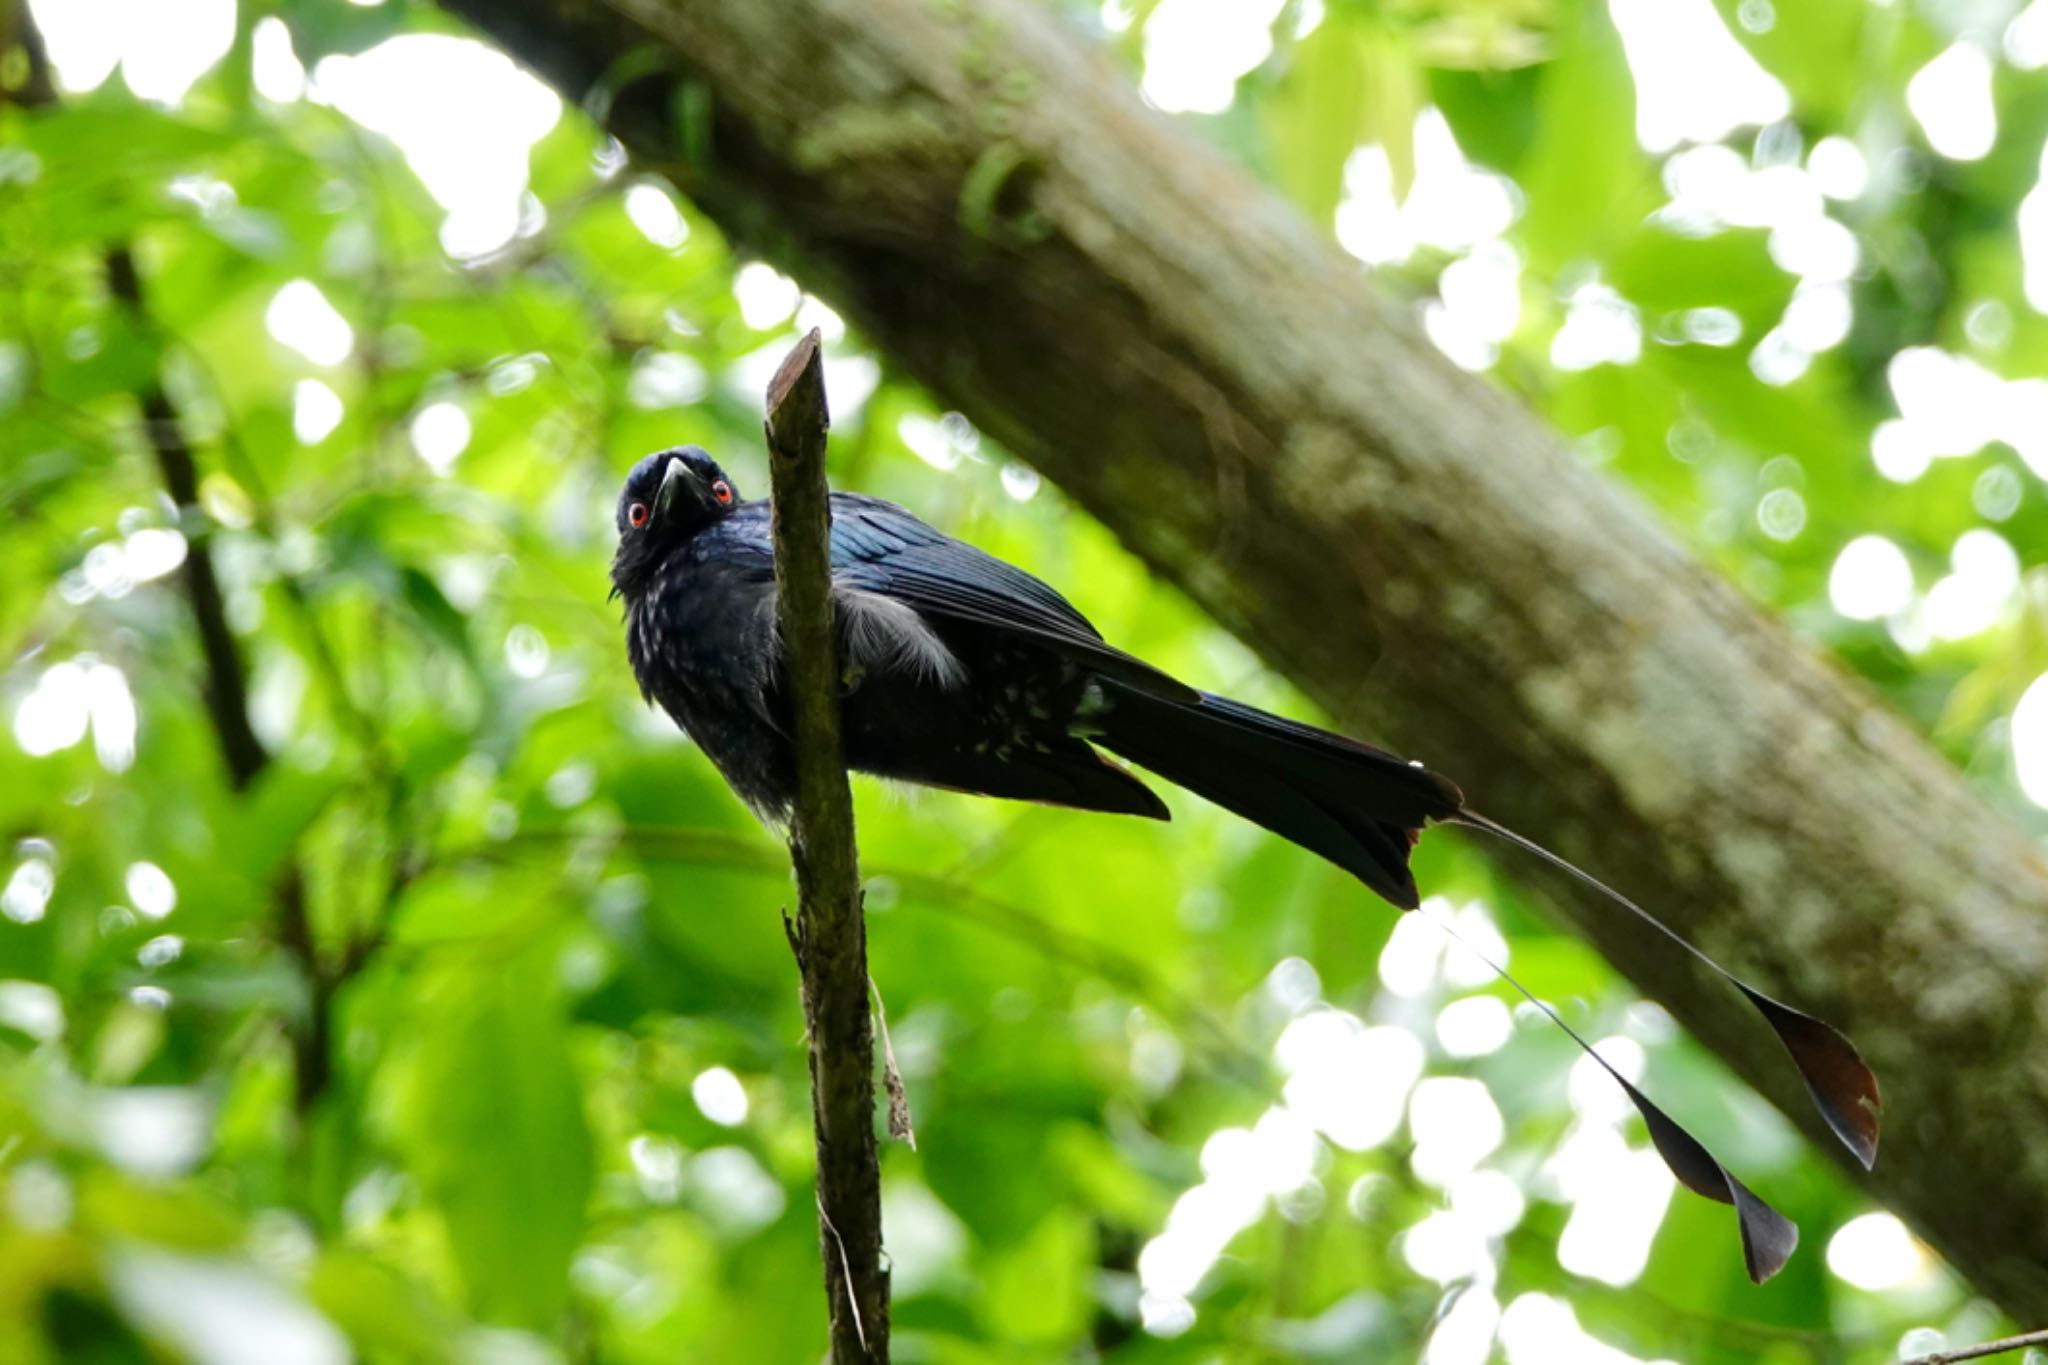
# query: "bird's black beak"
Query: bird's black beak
{"points": [[677, 481]]}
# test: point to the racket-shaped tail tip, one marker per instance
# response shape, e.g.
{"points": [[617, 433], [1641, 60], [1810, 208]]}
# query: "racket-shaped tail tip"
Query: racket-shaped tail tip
{"points": [[1768, 1237], [1843, 1087]]}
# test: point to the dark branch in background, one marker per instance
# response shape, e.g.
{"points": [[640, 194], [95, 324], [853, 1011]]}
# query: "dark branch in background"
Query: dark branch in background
{"points": [[980, 191], [18, 29], [224, 684], [227, 703], [227, 700], [227, 697], [830, 932]]}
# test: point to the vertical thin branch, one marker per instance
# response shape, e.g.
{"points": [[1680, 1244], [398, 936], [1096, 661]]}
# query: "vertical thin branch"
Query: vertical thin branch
{"points": [[226, 694], [227, 700], [224, 684], [226, 690], [830, 934]]}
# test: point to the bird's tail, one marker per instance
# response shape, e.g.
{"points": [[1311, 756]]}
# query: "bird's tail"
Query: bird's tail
{"points": [[1357, 806], [1362, 807]]}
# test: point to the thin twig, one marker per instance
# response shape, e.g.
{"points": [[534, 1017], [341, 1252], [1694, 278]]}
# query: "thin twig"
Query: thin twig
{"points": [[846, 1269], [957, 898], [831, 935], [1978, 1352]]}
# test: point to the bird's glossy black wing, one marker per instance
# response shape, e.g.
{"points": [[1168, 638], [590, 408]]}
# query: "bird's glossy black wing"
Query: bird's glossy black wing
{"points": [[879, 547]]}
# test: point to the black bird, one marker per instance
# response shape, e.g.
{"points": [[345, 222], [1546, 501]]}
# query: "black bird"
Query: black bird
{"points": [[964, 672]]}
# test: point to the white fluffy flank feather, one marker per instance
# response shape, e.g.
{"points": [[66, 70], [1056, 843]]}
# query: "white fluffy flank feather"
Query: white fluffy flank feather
{"points": [[885, 636]]}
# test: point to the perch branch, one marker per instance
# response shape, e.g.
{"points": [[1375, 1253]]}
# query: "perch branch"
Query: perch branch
{"points": [[830, 935]]}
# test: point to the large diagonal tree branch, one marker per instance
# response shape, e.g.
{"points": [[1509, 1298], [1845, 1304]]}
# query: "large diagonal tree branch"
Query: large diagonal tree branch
{"points": [[982, 193]]}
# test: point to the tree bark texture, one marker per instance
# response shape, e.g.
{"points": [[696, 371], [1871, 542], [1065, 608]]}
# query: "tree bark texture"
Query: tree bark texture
{"points": [[830, 933], [982, 193]]}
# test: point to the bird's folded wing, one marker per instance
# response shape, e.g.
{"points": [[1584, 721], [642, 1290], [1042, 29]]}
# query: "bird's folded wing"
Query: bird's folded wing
{"points": [[879, 547]]}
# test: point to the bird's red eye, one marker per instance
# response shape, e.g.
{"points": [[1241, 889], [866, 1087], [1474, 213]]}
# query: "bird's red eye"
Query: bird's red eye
{"points": [[637, 514], [723, 492]]}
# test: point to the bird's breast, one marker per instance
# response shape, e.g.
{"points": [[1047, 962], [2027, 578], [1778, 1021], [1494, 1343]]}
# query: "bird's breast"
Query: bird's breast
{"points": [[702, 646]]}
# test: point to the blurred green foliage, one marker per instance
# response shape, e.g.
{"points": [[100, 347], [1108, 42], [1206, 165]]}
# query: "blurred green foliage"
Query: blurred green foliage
{"points": [[539, 947]]}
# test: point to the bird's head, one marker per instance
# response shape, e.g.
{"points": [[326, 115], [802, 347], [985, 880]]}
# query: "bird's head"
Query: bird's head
{"points": [[669, 497]]}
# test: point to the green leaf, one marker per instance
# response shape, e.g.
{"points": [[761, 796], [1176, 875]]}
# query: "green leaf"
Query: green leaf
{"points": [[1492, 113], [1393, 97], [1588, 183], [1313, 117], [1820, 50], [437, 615], [285, 800], [1036, 1291], [379, 1308], [319, 29], [492, 1122], [105, 167], [1664, 272]]}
